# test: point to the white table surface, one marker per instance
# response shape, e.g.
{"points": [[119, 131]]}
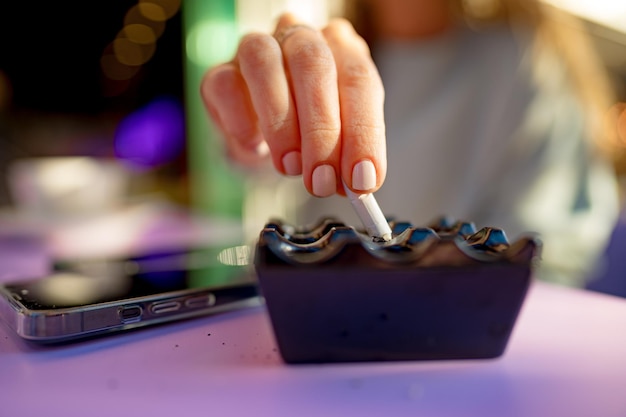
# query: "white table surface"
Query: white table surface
{"points": [[567, 357]]}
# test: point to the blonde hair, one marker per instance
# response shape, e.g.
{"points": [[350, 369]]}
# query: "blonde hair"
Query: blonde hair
{"points": [[556, 29]]}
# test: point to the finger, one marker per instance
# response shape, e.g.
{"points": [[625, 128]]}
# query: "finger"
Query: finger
{"points": [[284, 23], [261, 63], [361, 97], [226, 97], [313, 81]]}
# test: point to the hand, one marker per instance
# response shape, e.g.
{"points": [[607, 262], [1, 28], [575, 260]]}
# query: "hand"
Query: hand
{"points": [[311, 99]]}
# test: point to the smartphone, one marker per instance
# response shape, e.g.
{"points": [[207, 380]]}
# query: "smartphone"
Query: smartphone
{"points": [[90, 297]]}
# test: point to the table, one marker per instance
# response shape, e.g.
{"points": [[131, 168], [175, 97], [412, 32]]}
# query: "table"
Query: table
{"points": [[566, 357]]}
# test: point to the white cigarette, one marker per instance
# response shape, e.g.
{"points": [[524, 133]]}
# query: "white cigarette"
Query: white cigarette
{"points": [[370, 214]]}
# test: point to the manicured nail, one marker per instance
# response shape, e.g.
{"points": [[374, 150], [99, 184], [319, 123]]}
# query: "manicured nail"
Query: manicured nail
{"points": [[324, 181], [292, 162], [364, 176]]}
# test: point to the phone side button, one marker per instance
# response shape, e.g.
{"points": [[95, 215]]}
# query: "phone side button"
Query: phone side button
{"points": [[130, 314], [164, 307], [206, 300]]}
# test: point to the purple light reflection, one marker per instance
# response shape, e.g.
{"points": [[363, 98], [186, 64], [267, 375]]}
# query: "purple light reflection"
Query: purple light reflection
{"points": [[152, 135]]}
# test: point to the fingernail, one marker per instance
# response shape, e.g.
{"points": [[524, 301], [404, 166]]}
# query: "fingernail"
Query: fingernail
{"points": [[292, 162], [364, 176], [324, 181]]}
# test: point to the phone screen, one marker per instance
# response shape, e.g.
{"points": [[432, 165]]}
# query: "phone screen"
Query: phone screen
{"points": [[85, 282]]}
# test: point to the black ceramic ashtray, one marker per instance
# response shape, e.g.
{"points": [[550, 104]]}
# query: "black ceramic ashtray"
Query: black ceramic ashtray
{"points": [[446, 291]]}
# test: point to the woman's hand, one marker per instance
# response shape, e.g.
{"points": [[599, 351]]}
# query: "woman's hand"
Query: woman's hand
{"points": [[313, 98]]}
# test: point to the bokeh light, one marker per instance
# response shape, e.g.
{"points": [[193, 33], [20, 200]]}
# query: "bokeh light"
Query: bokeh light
{"points": [[136, 16], [135, 44], [211, 40], [152, 135], [113, 69], [169, 7], [152, 12], [140, 33], [131, 53]]}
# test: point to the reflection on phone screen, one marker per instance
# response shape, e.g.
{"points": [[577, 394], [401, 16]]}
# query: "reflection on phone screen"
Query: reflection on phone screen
{"points": [[84, 282]]}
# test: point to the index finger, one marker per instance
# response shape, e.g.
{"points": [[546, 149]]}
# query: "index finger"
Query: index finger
{"points": [[361, 98], [312, 77]]}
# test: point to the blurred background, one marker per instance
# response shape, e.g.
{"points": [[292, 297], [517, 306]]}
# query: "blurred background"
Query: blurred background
{"points": [[90, 79], [116, 82], [105, 147]]}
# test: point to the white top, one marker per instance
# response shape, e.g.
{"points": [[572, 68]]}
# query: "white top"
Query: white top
{"points": [[478, 131]]}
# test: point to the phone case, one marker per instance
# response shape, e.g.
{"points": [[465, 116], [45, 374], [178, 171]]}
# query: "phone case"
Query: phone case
{"points": [[446, 291], [68, 324]]}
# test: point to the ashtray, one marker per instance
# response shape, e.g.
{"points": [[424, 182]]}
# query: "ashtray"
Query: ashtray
{"points": [[445, 291]]}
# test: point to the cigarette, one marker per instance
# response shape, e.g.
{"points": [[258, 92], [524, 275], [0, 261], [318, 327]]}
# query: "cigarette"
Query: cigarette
{"points": [[370, 214]]}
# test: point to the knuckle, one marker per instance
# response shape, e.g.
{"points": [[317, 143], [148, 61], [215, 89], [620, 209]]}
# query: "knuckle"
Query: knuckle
{"points": [[361, 45], [219, 81], [304, 53], [340, 31], [242, 133], [282, 127], [321, 133], [358, 75], [340, 22], [365, 138], [257, 49], [362, 128], [337, 27]]}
